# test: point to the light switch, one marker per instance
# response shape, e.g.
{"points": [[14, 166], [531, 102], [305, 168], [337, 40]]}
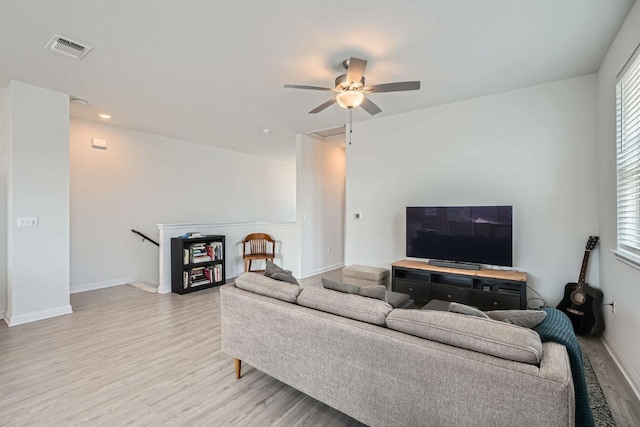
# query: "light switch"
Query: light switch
{"points": [[357, 215], [27, 221]]}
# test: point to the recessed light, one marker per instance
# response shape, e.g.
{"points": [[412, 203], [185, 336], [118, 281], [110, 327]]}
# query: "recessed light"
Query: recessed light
{"points": [[104, 116], [79, 101], [266, 130]]}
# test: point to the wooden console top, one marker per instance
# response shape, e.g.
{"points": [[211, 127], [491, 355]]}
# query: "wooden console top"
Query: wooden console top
{"points": [[483, 272]]}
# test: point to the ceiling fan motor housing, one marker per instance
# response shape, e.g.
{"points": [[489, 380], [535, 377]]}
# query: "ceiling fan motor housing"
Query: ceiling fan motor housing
{"points": [[343, 84]]}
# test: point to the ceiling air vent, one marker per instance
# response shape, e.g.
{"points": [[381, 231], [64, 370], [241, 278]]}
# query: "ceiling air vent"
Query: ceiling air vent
{"points": [[67, 47]]}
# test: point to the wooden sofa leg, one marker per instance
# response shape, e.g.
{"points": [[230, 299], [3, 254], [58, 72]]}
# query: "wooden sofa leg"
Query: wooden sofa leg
{"points": [[238, 368]]}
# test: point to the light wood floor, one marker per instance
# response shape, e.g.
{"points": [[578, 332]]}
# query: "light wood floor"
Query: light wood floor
{"points": [[129, 357], [623, 403]]}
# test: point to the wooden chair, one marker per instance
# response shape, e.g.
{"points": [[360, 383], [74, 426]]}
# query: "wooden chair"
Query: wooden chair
{"points": [[260, 246]]}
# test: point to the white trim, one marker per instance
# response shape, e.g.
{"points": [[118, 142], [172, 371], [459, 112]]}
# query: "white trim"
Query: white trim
{"points": [[321, 270], [628, 258], [100, 285], [38, 315], [223, 224], [627, 371], [144, 286]]}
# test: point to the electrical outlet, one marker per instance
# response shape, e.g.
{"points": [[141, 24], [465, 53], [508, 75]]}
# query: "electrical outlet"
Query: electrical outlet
{"points": [[27, 221]]}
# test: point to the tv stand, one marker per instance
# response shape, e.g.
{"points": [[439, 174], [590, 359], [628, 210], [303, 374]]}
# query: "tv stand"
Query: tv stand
{"points": [[454, 264], [484, 288]]}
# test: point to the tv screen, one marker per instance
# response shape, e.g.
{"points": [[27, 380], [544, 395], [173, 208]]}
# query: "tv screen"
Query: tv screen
{"points": [[475, 234]]}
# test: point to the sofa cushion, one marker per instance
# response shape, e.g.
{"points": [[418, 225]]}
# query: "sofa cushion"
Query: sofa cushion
{"points": [[259, 284], [377, 292], [473, 333], [275, 272], [347, 305], [525, 318], [399, 300], [456, 307], [364, 282], [285, 277], [339, 286]]}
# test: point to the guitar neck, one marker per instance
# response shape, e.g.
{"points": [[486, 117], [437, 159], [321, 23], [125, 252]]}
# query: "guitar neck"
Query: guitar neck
{"points": [[583, 270]]}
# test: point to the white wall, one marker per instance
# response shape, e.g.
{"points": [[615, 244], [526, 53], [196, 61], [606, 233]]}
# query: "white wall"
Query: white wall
{"points": [[142, 180], [533, 148], [320, 195], [620, 282], [38, 186], [3, 208]]}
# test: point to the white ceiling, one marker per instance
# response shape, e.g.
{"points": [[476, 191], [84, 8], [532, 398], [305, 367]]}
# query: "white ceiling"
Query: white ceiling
{"points": [[212, 72]]}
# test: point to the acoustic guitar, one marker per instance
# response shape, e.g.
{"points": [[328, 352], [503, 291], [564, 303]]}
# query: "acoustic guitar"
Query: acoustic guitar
{"points": [[582, 303]]}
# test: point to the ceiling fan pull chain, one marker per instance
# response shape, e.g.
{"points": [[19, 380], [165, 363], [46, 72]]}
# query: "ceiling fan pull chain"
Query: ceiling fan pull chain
{"points": [[350, 124]]}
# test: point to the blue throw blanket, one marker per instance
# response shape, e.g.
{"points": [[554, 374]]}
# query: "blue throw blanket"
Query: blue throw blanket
{"points": [[558, 328]]}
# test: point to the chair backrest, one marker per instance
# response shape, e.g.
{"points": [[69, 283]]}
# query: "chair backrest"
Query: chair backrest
{"points": [[258, 244]]}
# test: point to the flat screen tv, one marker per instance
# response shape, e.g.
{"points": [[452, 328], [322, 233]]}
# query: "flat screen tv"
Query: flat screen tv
{"points": [[473, 234]]}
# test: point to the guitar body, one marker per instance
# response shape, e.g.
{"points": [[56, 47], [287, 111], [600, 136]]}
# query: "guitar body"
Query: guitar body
{"points": [[582, 303], [587, 318]]}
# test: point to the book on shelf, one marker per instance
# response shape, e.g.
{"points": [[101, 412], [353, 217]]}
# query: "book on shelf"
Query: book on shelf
{"points": [[200, 283], [193, 234], [198, 252], [200, 258], [214, 250], [196, 274], [185, 279], [217, 273]]}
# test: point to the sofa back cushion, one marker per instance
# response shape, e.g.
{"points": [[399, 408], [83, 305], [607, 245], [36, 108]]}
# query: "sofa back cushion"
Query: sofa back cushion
{"points": [[524, 318], [263, 285], [377, 292], [347, 305], [473, 333], [279, 273]]}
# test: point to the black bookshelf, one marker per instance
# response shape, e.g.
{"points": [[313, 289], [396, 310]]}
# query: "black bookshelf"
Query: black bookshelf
{"points": [[197, 263]]}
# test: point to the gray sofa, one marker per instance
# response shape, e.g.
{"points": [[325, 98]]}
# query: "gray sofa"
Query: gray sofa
{"points": [[384, 377]]}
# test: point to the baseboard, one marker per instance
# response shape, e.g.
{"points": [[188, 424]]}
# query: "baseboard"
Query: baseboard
{"points": [[321, 270], [100, 285], [625, 368], [144, 286], [2, 314], [38, 315]]}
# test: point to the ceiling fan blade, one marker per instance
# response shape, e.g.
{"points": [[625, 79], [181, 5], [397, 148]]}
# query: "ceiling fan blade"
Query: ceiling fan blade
{"points": [[356, 70], [306, 87], [323, 106], [394, 87], [370, 107]]}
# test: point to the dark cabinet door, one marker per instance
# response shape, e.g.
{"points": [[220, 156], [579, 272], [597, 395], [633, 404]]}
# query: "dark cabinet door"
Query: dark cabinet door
{"points": [[495, 301], [450, 293], [416, 290]]}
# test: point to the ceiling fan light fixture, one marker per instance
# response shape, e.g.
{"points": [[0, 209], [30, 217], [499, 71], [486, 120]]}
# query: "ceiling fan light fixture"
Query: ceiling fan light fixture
{"points": [[350, 99]]}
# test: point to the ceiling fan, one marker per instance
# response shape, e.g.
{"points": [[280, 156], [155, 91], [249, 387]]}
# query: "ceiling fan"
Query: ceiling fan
{"points": [[351, 90]]}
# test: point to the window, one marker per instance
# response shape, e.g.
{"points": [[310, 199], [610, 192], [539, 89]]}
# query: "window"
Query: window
{"points": [[628, 158]]}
